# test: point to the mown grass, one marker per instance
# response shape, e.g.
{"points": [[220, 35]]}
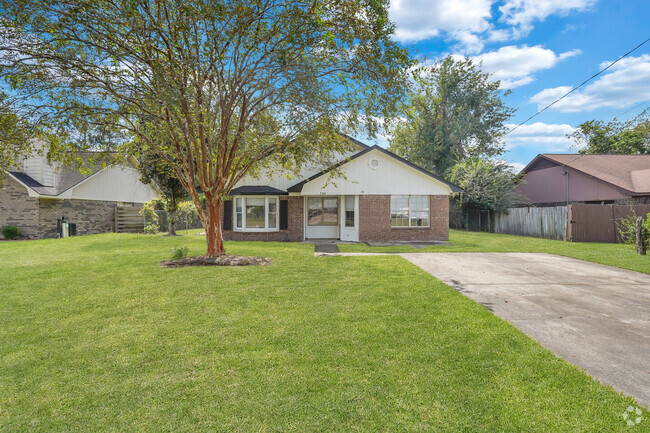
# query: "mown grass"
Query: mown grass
{"points": [[96, 336], [618, 255]]}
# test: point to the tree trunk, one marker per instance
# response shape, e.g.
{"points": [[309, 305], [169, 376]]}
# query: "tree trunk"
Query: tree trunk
{"points": [[641, 244], [213, 231], [171, 216]]}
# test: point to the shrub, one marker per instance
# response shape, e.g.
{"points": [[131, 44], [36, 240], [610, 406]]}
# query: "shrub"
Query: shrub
{"points": [[626, 227], [151, 229], [10, 232], [179, 252]]}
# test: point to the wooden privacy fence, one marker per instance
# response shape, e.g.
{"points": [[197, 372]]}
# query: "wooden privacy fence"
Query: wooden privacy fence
{"points": [[128, 219], [538, 222], [577, 222], [597, 222]]}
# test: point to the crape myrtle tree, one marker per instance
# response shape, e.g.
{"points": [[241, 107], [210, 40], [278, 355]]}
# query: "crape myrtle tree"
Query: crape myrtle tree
{"points": [[455, 111], [214, 88]]}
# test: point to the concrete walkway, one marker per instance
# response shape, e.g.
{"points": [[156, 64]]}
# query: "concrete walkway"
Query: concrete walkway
{"points": [[596, 317]]}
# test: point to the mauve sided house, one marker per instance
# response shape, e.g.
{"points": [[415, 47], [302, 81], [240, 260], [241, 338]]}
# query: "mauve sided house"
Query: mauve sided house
{"points": [[381, 197], [559, 179]]}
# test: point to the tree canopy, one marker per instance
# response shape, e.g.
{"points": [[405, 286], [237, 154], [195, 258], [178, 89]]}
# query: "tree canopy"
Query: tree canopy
{"points": [[596, 136], [454, 112], [215, 89], [488, 184]]}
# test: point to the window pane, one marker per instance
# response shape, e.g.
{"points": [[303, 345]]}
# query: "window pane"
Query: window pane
{"points": [[419, 219], [349, 202], [255, 213], [330, 212], [314, 211], [399, 219], [399, 203], [273, 209], [419, 202], [349, 218], [238, 213]]}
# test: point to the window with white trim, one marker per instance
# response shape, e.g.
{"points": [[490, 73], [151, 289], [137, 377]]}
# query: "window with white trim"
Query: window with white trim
{"points": [[409, 211], [256, 214]]}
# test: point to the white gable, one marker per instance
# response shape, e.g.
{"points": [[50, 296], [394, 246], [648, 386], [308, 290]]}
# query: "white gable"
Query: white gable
{"points": [[376, 173], [113, 184]]}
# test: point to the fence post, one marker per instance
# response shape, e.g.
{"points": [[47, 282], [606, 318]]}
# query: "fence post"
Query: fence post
{"points": [[640, 237]]}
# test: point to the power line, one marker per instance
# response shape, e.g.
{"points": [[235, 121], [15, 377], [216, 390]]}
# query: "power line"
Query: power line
{"points": [[580, 85], [629, 109]]}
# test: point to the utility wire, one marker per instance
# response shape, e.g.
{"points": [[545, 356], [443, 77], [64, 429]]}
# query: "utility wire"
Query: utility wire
{"points": [[580, 85]]}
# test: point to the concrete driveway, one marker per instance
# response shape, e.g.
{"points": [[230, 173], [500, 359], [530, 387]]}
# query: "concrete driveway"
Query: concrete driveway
{"points": [[596, 317]]}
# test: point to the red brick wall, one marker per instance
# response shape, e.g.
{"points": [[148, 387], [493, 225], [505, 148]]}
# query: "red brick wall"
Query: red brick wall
{"points": [[294, 233], [374, 221]]}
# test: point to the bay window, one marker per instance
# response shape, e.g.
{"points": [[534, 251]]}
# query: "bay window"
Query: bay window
{"points": [[409, 211], [256, 213]]}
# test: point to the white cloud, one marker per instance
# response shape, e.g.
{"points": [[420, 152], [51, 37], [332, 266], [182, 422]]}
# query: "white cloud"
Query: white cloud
{"points": [[623, 85], [461, 20], [470, 22], [516, 166], [521, 14], [552, 137], [514, 66]]}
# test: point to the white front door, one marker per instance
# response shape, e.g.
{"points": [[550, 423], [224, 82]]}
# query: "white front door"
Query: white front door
{"points": [[349, 218], [322, 217]]}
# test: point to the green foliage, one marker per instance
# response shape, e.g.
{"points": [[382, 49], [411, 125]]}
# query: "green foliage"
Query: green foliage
{"points": [[215, 89], [9, 232], [597, 137], [626, 228], [157, 171], [151, 219], [187, 215], [487, 184], [180, 252], [455, 112]]}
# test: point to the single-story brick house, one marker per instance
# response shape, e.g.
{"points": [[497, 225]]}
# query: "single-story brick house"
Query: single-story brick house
{"points": [[381, 197], [36, 196]]}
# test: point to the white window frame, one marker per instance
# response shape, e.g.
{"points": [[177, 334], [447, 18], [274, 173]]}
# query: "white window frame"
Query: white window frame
{"points": [[266, 227], [410, 211]]}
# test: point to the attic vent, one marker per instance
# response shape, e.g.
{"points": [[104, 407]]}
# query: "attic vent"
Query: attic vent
{"points": [[373, 163]]}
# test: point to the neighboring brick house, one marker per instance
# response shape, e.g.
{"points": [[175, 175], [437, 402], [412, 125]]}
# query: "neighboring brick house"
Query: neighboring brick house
{"points": [[380, 197], [552, 179], [37, 196]]}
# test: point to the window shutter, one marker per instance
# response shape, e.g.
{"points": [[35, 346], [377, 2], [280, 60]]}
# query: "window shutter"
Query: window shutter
{"points": [[227, 215], [284, 214]]}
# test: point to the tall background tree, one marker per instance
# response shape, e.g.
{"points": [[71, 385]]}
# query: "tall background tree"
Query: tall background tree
{"points": [[227, 86], [487, 184], [598, 137], [157, 171], [454, 112]]}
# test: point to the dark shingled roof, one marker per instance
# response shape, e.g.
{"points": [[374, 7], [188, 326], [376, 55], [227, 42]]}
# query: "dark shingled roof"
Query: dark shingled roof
{"points": [[257, 190], [629, 172], [298, 187], [66, 178]]}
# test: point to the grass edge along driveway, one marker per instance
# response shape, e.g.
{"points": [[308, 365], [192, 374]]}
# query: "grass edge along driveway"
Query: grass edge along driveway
{"points": [[617, 255], [94, 335]]}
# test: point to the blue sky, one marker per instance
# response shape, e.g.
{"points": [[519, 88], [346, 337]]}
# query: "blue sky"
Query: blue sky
{"points": [[540, 49]]}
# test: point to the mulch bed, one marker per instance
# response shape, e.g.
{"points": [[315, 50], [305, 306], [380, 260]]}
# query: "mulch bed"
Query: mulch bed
{"points": [[224, 260]]}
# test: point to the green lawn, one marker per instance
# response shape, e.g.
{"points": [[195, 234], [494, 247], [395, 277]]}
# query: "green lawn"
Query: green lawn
{"points": [[95, 335], [619, 255]]}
